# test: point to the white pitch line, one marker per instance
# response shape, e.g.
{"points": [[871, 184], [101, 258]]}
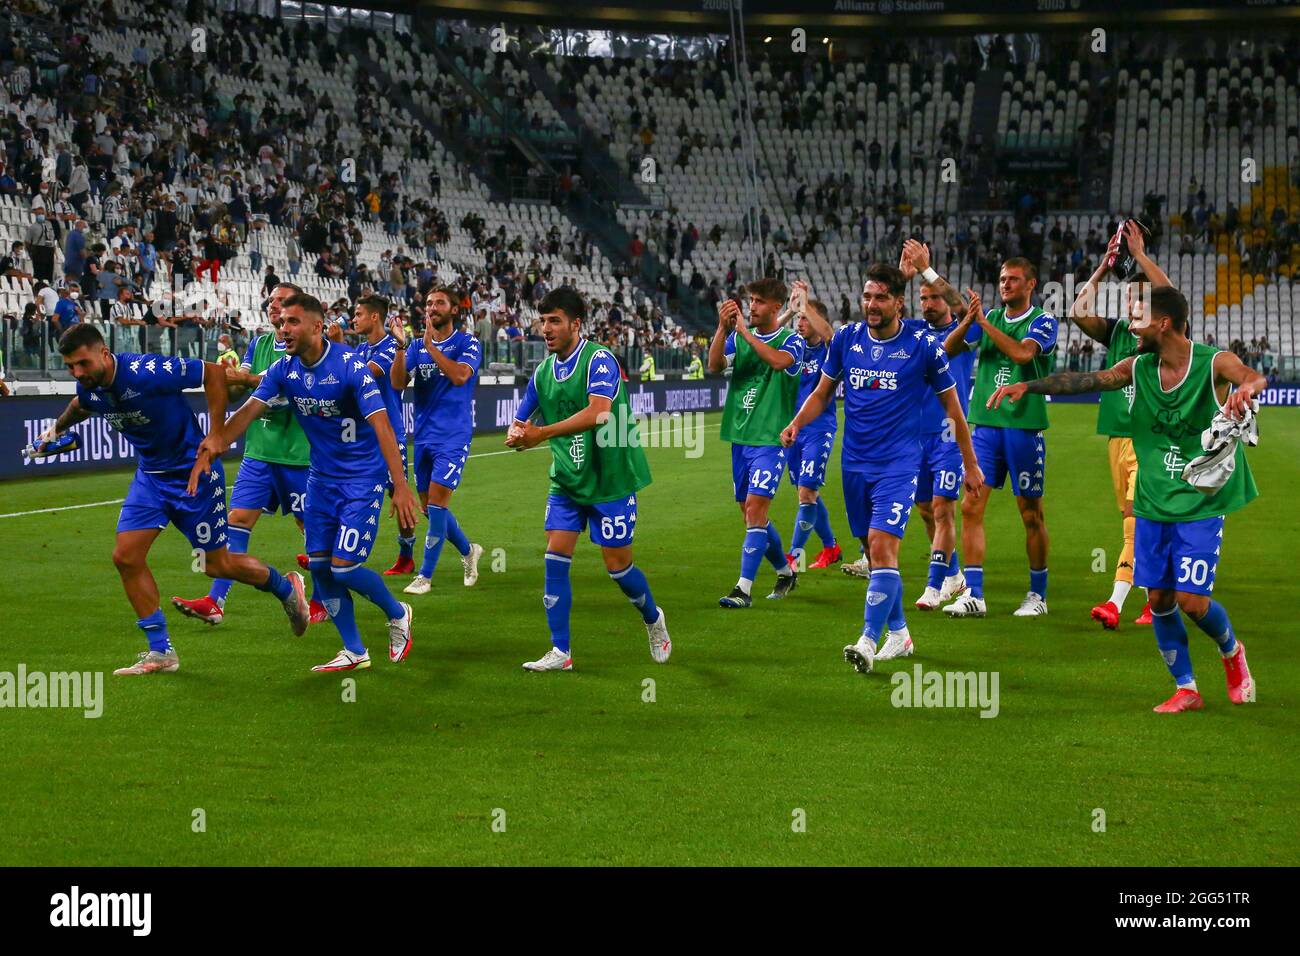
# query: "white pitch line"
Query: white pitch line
{"points": [[45, 511], [118, 501]]}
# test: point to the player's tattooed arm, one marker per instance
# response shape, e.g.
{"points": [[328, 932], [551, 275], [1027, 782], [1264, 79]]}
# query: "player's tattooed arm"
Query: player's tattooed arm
{"points": [[918, 256], [1068, 383], [74, 414]]}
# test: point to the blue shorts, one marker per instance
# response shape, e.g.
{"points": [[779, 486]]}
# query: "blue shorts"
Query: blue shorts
{"points": [[808, 457], [157, 500], [756, 470], [406, 469], [942, 470], [1177, 555], [613, 523], [269, 487], [442, 465], [342, 516], [1016, 450], [881, 503]]}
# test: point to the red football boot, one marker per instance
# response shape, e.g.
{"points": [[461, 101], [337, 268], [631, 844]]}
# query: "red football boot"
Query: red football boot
{"points": [[1107, 614], [205, 609], [1145, 616], [1183, 700], [317, 613], [1241, 686], [827, 557], [303, 562], [402, 566]]}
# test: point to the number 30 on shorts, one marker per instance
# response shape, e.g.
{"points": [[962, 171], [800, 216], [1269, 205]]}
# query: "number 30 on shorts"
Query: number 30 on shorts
{"points": [[1194, 571]]}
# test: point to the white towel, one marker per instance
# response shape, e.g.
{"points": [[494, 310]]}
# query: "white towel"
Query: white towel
{"points": [[1209, 472]]}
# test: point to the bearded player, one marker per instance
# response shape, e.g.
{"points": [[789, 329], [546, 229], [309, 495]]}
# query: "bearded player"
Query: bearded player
{"points": [[887, 368], [442, 367], [273, 473], [141, 396], [596, 470], [1179, 390]]}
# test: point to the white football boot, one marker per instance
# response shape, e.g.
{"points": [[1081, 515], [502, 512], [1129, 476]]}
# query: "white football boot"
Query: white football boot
{"points": [[399, 635], [1032, 606], [930, 600], [151, 662], [296, 606], [861, 655], [552, 660], [860, 568], [968, 605], [661, 646], [899, 644], [419, 585], [470, 563], [952, 586], [345, 660]]}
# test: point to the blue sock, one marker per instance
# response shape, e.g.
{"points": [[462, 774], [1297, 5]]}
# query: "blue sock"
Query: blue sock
{"points": [[434, 539], [1171, 638], [822, 524], [954, 563], [1216, 624], [1038, 582], [406, 546], [883, 589], [362, 580], [558, 599], [751, 555], [455, 535], [338, 602], [155, 629], [975, 580], [632, 580], [776, 553], [938, 570], [896, 619], [804, 522], [236, 543], [276, 584]]}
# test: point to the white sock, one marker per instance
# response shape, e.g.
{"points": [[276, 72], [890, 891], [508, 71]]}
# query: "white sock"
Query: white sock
{"points": [[745, 584], [1118, 595], [785, 571]]}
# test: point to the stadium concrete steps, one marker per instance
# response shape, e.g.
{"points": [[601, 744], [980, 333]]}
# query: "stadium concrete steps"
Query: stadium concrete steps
{"points": [[984, 123]]}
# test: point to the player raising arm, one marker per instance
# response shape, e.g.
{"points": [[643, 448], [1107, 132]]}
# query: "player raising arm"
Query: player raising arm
{"points": [[142, 397], [353, 448], [1180, 389]]}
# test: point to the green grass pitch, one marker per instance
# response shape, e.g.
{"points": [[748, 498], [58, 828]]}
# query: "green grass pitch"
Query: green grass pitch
{"points": [[756, 716]]}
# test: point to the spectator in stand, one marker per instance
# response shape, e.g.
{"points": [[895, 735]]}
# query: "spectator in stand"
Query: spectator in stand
{"points": [[67, 312], [17, 264]]}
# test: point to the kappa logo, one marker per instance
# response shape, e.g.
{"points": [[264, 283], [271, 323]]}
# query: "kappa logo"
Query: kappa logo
{"points": [[370, 520], [366, 536], [94, 397], [292, 376], [151, 366], [602, 369], [358, 366], [856, 348], [362, 553], [167, 365], [135, 366], [940, 353]]}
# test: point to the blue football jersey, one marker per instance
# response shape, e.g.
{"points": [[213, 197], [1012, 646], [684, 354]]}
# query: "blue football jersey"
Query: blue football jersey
{"points": [[382, 354], [444, 413], [603, 378], [934, 419], [814, 359], [333, 400], [885, 384], [144, 402]]}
